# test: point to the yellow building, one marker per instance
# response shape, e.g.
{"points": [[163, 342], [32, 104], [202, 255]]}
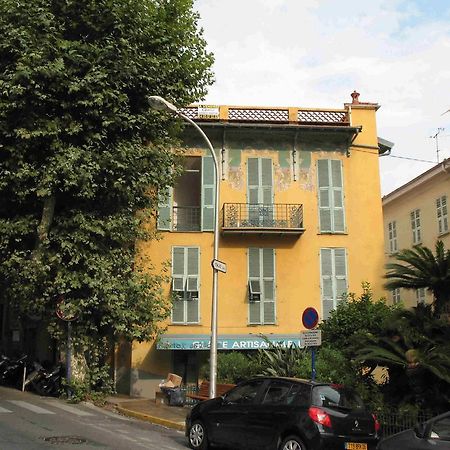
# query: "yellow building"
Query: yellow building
{"points": [[300, 224], [417, 213]]}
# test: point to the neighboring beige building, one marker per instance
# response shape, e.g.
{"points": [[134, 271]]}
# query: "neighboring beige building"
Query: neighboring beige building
{"points": [[417, 213]]}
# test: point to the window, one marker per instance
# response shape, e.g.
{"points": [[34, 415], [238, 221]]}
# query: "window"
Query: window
{"points": [[392, 232], [189, 206], [260, 191], [278, 393], [420, 295], [261, 285], [331, 196], [244, 393], [442, 214], [415, 226], [185, 284], [333, 269], [396, 296]]}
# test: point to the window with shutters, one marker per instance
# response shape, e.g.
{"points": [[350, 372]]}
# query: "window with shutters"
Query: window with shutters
{"points": [[261, 286], [420, 295], [416, 227], [185, 285], [442, 214], [396, 296], [189, 206], [392, 233], [331, 196], [333, 271], [260, 192]]}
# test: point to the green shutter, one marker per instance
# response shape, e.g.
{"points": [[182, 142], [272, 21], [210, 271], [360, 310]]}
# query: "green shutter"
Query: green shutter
{"points": [[326, 274], [165, 209], [324, 195], [185, 273], [178, 283], [333, 278], [261, 269], [268, 274], [208, 193], [331, 196], [338, 196], [254, 273], [340, 264]]}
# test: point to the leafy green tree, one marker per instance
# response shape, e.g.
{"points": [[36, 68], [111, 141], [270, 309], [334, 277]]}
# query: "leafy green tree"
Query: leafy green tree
{"points": [[82, 155], [354, 318], [414, 346], [420, 268]]}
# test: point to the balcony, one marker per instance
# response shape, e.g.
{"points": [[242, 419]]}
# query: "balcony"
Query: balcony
{"points": [[186, 218], [262, 218]]}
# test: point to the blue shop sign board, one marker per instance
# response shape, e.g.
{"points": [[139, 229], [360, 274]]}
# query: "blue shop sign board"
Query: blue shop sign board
{"points": [[225, 342]]}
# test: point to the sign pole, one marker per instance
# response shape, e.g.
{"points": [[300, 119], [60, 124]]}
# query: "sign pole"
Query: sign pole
{"points": [[313, 363], [69, 352]]}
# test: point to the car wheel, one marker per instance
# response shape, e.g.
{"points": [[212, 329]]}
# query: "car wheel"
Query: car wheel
{"points": [[292, 443], [198, 439]]}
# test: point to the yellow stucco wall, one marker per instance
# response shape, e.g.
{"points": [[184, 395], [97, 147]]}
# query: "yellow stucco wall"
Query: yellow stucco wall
{"points": [[420, 194], [297, 260]]}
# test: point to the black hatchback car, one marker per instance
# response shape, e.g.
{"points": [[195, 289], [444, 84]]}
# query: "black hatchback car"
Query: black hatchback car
{"points": [[283, 414]]}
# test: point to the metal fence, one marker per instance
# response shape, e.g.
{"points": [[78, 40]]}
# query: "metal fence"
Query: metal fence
{"points": [[276, 215], [394, 422]]}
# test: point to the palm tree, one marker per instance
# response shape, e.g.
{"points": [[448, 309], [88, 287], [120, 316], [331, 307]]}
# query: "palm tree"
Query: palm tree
{"points": [[423, 269]]}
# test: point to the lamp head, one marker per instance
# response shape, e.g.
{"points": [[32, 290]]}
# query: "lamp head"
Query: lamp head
{"points": [[161, 104]]}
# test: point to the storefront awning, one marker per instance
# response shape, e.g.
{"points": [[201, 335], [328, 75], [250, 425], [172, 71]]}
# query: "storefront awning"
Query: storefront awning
{"points": [[226, 341]]}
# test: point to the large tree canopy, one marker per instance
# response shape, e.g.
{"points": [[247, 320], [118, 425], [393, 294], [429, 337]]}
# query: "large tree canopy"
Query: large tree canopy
{"points": [[420, 268], [76, 164]]}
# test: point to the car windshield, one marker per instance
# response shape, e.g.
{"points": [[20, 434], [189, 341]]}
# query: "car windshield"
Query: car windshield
{"points": [[334, 396]]}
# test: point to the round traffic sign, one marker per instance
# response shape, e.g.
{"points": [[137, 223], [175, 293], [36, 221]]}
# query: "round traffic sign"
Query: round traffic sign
{"points": [[310, 318]]}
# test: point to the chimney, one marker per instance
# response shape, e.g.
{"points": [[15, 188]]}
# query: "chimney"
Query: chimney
{"points": [[355, 98]]}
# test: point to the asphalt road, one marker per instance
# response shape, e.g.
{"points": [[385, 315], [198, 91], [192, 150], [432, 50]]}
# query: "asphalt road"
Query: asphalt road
{"points": [[31, 422]]}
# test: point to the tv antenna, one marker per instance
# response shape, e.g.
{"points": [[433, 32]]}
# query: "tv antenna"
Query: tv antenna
{"points": [[436, 138]]}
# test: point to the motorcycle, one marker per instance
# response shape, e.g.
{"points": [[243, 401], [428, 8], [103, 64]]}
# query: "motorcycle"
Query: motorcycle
{"points": [[12, 371]]}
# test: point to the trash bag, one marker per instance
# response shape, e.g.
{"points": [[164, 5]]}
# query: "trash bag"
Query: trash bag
{"points": [[174, 396]]}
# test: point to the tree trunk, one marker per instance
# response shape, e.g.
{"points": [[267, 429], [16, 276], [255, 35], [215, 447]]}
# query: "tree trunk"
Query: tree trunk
{"points": [[43, 228]]}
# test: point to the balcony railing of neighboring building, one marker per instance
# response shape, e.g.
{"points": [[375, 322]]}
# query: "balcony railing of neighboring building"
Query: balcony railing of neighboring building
{"points": [[186, 218], [296, 116], [262, 218]]}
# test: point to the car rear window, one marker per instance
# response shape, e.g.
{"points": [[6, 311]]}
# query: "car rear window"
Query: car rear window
{"points": [[334, 396]]}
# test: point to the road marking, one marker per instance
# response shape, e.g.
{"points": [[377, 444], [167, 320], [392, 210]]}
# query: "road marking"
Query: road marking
{"points": [[3, 410], [69, 408], [31, 407]]}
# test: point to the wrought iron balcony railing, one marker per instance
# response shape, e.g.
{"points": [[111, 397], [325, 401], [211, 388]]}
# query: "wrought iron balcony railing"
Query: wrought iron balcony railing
{"points": [[186, 218], [262, 218]]}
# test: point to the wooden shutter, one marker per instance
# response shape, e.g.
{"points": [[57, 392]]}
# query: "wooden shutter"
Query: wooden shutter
{"points": [[331, 196], [326, 273], [208, 193], [178, 284], [340, 272], [254, 273], [337, 195], [165, 209], [192, 303], [333, 268], [268, 277], [324, 195]]}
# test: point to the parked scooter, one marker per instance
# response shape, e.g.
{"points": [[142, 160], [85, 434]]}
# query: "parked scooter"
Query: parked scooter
{"points": [[34, 377], [11, 373], [49, 383]]}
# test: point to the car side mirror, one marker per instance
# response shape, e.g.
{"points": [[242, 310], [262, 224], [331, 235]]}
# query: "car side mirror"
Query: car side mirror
{"points": [[419, 429]]}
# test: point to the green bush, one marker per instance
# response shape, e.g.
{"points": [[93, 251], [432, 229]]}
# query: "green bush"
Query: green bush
{"points": [[232, 367]]}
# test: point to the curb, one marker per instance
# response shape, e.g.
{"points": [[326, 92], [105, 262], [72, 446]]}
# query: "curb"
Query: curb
{"points": [[148, 418]]}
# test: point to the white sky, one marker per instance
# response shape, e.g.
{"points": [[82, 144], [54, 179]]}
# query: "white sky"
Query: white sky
{"points": [[314, 53]]}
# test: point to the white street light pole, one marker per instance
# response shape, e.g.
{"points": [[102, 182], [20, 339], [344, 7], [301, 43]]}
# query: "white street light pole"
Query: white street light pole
{"points": [[161, 104]]}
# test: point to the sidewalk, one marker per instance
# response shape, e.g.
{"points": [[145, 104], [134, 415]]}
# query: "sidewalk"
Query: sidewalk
{"points": [[146, 409]]}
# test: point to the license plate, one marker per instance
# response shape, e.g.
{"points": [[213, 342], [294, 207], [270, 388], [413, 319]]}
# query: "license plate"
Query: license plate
{"points": [[355, 446]]}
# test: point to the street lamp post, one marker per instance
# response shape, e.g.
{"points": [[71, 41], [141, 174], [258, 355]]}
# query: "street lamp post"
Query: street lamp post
{"points": [[161, 104]]}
